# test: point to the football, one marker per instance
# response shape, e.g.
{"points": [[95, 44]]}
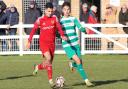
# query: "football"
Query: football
{"points": [[59, 82]]}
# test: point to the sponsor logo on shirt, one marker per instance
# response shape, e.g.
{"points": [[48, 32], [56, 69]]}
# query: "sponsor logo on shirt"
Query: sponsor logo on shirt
{"points": [[68, 24], [47, 28]]}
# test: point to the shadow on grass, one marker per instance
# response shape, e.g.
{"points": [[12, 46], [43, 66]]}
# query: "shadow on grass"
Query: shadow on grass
{"points": [[16, 77], [65, 87], [100, 83]]}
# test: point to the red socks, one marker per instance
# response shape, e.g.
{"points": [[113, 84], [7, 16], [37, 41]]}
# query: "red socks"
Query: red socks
{"points": [[41, 67], [48, 68], [49, 71]]}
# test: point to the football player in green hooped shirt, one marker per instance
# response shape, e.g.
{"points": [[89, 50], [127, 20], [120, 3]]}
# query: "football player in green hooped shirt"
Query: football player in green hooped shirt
{"points": [[71, 46]]}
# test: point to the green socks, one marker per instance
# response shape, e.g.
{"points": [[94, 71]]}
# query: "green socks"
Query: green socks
{"points": [[81, 71]]}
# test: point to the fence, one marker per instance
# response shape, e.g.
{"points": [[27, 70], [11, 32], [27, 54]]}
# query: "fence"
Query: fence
{"points": [[98, 43], [15, 44], [10, 45]]}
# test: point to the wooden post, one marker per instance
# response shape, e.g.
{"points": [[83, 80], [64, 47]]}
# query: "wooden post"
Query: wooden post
{"points": [[75, 8]]}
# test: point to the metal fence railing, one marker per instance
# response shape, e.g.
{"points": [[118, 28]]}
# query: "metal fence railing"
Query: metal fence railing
{"points": [[100, 43], [95, 43]]}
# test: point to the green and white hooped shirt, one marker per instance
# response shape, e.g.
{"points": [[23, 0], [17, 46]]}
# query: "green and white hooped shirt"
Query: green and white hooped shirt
{"points": [[69, 27]]}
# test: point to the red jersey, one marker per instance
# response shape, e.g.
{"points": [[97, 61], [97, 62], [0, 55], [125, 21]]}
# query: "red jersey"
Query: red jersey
{"points": [[48, 26]]}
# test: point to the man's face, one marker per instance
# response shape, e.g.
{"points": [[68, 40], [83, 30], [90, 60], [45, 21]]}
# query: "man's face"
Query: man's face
{"points": [[109, 10], [124, 9], [48, 12], [95, 10], [66, 10], [12, 9]]}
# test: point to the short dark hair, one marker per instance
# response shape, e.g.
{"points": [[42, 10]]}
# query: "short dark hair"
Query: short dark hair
{"points": [[49, 5], [66, 4]]}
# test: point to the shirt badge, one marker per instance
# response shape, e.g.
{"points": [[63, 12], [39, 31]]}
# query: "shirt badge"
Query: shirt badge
{"points": [[52, 21], [43, 23]]}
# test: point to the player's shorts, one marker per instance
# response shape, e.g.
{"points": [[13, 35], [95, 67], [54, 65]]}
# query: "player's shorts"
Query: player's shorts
{"points": [[47, 48], [73, 50]]}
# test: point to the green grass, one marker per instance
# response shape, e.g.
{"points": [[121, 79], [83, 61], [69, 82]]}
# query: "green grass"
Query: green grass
{"points": [[106, 71]]}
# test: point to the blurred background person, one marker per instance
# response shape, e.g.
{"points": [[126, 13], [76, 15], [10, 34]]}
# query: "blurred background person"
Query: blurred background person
{"points": [[56, 12], [58, 15], [92, 18], [31, 15], [110, 18], [123, 17], [2, 30], [85, 13], [2, 5], [11, 17]]}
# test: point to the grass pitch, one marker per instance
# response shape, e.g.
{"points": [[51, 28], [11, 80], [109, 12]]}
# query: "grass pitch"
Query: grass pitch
{"points": [[105, 71]]}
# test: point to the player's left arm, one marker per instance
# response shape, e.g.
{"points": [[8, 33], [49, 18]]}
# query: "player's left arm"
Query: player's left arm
{"points": [[79, 26]]}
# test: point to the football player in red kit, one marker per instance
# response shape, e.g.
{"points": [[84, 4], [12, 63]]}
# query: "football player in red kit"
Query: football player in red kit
{"points": [[48, 24]]}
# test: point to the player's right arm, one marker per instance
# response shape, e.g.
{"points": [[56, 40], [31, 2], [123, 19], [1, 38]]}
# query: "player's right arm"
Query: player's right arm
{"points": [[36, 25]]}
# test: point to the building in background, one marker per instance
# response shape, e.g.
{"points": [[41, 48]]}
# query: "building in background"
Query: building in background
{"points": [[22, 5]]}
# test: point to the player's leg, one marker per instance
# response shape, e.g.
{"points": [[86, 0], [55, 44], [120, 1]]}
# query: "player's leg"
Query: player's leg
{"points": [[78, 53], [72, 65], [40, 66], [69, 52], [72, 54], [78, 60], [48, 64], [43, 48], [81, 70]]}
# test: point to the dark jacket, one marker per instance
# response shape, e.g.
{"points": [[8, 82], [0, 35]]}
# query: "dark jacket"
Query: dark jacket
{"points": [[84, 17], [31, 16], [11, 18], [2, 5], [2, 31], [123, 18], [57, 13]]}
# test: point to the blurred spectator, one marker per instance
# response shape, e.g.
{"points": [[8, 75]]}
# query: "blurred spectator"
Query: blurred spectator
{"points": [[56, 12], [110, 18], [92, 19], [58, 15], [2, 5], [2, 31], [110, 15], [12, 18], [123, 17], [31, 15], [85, 13]]}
